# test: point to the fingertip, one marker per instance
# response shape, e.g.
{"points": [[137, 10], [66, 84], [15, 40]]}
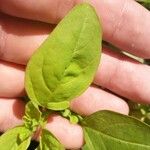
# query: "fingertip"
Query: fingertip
{"points": [[122, 107], [95, 99], [70, 135]]}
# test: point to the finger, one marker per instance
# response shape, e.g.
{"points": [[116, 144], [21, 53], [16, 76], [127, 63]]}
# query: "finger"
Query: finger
{"points": [[11, 79], [18, 45], [12, 110], [125, 23], [19, 38], [95, 99], [47, 10], [124, 76], [70, 135], [12, 85]]}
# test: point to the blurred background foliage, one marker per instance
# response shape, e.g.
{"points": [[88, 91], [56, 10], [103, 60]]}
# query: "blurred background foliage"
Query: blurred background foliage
{"points": [[145, 3]]}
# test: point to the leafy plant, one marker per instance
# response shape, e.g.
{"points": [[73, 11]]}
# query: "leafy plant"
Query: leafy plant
{"points": [[60, 70]]}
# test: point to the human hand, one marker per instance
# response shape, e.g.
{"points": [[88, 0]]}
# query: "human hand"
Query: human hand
{"points": [[125, 24]]}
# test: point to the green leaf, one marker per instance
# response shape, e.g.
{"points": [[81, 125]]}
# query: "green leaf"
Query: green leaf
{"points": [[15, 138], [32, 112], [72, 116], [32, 117], [49, 142], [106, 130], [64, 65]]}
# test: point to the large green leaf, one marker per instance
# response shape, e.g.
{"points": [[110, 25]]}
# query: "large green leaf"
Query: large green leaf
{"points": [[65, 64], [49, 142], [106, 130], [15, 138]]}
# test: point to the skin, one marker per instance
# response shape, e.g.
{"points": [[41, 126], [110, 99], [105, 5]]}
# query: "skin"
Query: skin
{"points": [[125, 24]]}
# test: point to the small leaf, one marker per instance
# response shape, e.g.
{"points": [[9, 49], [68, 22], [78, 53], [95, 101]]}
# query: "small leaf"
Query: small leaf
{"points": [[66, 112], [106, 130], [49, 142], [74, 119], [14, 138], [32, 118], [32, 111], [72, 116], [65, 64]]}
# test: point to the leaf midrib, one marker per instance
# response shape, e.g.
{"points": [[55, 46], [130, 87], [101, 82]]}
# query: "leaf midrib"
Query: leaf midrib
{"points": [[73, 52]]}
